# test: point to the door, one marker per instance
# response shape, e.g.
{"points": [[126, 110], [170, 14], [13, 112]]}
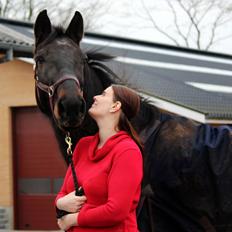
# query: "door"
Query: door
{"points": [[38, 170]]}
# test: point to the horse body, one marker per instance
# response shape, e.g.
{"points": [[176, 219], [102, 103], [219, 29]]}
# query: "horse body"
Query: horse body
{"points": [[174, 171]]}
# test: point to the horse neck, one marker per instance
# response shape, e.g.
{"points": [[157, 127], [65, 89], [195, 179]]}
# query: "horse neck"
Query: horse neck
{"points": [[147, 117], [96, 80]]}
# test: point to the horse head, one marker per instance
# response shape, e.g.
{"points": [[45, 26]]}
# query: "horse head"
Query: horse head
{"points": [[59, 71]]}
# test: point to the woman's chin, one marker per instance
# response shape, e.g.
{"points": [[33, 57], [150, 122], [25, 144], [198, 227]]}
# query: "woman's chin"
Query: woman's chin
{"points": [[91, 111]]}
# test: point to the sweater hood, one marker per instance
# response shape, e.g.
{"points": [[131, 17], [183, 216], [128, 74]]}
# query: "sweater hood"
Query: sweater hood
{"points": [[96, 154]]}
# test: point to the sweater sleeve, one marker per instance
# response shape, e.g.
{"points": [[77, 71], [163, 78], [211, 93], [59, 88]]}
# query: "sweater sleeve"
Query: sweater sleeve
{"points": [[63, 191], [123, 185]]}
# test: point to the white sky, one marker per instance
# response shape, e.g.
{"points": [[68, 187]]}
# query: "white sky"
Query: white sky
{"points": [[125, 18]]}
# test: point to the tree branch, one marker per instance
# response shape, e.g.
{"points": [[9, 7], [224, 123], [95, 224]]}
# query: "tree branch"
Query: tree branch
{"points": [[214, 27], [157, 27], [193, 22], [207, 10], [176, 23]]}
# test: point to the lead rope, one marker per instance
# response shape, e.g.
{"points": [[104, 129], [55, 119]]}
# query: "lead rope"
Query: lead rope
{"points": [[78, 190], [68, 140]]}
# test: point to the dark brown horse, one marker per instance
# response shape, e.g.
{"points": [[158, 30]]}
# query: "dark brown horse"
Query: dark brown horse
{"points": [[187, 166]]}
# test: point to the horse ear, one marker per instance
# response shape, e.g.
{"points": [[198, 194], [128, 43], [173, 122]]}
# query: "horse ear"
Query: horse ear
{"points": [[42, 27], [75, 29]]}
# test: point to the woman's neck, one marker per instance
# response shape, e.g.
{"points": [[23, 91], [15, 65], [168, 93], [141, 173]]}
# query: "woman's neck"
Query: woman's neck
{"points": [[105, 132]]}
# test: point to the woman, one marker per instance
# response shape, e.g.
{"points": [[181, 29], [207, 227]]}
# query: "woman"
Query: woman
{"points": [[108, 167]]}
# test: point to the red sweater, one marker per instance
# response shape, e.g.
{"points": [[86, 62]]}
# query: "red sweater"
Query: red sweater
{"points": [[111, 178]]}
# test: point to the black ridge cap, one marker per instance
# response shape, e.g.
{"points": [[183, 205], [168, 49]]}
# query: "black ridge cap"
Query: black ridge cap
{"points": [[129, 40], [16, 22], [157, 45]]}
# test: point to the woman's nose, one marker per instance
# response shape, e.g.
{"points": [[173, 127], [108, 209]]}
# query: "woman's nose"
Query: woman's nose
{"points": [[95, 97]]}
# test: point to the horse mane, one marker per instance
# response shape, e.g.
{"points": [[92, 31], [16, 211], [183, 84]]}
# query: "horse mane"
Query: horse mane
{"points": [[147, 116], [106, 75]]}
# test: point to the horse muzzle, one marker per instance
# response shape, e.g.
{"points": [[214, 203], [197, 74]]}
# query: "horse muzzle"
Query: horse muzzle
{"points": [[70, 113]]}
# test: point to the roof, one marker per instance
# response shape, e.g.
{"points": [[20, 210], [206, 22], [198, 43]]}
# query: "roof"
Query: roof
{"points": [[185, 81]]}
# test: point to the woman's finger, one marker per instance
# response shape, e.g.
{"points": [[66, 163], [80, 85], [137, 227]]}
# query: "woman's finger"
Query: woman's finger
{"points": [[82, 198]]}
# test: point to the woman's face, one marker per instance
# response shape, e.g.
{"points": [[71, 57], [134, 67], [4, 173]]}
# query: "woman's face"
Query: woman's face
{"points": [[102, 103]]}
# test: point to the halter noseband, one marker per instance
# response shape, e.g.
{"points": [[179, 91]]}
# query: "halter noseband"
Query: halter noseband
{"points": [[51, 89]]}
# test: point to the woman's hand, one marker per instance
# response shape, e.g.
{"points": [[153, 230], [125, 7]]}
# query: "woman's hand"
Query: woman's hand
{"points": [[68, 221], [71, 203]]}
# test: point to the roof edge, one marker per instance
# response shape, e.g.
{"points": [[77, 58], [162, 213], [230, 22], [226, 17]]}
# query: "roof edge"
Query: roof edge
{"points": [[183, 111], [157, 45], [16, 22], [128, 40]]}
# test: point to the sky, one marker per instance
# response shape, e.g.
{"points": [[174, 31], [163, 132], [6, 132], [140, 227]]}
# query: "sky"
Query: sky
{"points": [[129, 19]]}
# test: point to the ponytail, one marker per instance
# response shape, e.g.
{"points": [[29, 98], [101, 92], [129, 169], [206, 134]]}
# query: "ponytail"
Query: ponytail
{"points": [[125, 125], [130, 105]]}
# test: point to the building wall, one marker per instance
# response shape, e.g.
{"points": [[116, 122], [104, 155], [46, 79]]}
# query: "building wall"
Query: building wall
{"points": [[16, 89]]}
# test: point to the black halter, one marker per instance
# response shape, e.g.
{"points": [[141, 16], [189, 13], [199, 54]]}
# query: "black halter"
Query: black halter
{"points": [[51, 89]]}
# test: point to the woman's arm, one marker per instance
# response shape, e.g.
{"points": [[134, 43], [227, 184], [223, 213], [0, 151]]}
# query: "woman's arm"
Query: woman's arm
{"points": [[63, 191], [124, 181]]}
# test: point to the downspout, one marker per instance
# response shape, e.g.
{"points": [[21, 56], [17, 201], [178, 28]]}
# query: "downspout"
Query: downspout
{"points": [[9, 55]]}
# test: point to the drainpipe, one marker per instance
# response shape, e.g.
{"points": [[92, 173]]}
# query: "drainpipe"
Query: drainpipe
{"points": [[8, 56]]}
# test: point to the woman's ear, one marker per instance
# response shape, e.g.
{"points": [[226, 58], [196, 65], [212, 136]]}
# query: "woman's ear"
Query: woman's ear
{"points": [[116, 106]]}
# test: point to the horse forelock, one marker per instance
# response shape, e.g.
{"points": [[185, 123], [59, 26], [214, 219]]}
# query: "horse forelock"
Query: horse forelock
{"points": [[58, 34]]}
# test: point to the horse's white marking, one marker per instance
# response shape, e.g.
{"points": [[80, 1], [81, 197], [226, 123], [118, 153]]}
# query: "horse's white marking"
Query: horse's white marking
{"points": [[62, 42]]}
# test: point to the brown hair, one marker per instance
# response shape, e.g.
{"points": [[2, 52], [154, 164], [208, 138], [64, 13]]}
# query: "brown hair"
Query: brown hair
{"points": [[130, 105]]}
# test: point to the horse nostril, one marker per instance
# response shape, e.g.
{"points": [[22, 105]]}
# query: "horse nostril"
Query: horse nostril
{"points": [[61, 107], [70, 108]]}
